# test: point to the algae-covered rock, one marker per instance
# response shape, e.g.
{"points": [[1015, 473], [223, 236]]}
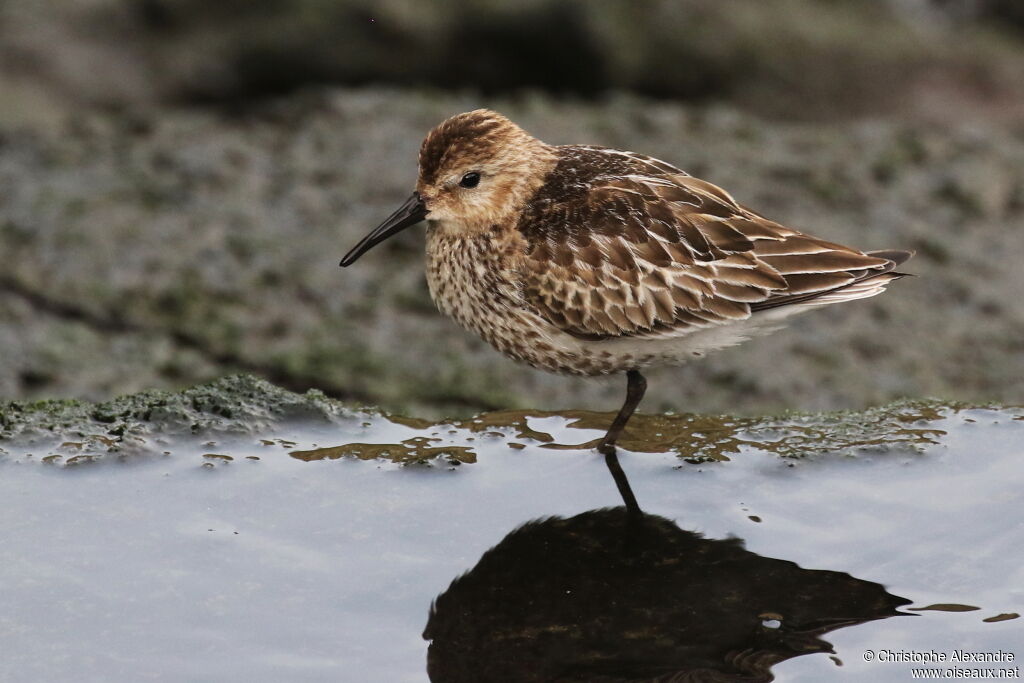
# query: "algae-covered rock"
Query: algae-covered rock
{"points": [[225, 418], [240, 404], [901, 426]]}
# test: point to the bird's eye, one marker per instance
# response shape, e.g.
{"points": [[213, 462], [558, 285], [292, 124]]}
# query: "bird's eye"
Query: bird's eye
{"points": [[471, 179]]}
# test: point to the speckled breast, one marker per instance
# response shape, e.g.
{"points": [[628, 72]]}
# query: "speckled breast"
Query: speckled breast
{"points": [[471, 279], [469, 283]]}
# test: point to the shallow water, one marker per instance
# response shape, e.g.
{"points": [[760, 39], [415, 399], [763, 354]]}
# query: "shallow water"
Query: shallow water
{"points": [[313, 552]]}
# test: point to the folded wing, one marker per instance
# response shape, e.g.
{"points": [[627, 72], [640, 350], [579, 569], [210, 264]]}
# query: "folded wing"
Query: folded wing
{"points": [[663, 253]]}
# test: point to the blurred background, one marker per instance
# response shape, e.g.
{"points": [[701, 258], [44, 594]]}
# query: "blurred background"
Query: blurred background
{"points": [[179, 178]]}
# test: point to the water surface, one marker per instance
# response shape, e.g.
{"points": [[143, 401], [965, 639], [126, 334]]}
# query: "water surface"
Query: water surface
{"points": [[314, 550]]}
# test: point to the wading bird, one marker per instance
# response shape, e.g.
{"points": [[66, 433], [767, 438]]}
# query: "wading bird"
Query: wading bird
{"points": [[585, 260]]}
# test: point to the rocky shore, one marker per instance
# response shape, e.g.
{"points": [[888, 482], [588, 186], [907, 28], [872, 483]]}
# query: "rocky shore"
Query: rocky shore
{"points": [[166, 247]]}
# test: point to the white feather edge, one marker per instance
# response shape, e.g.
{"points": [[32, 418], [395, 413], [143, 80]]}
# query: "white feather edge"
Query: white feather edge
{"points": [[680, 346]]}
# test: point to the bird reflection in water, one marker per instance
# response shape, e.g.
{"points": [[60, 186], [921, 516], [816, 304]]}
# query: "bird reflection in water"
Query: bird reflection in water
{"points": [[620, 595]]}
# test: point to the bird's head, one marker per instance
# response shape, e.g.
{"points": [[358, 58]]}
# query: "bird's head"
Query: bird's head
{"points": [[477, 169]]}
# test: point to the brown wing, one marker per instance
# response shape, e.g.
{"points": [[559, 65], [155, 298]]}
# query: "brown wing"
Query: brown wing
{"points": [[663, 254]]}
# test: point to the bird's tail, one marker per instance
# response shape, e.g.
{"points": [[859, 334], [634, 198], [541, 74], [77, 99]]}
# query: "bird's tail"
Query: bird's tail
{"points": [[869, 284]]}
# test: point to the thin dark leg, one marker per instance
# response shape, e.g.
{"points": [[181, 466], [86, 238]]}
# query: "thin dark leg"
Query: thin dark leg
{"points": [[612, 461], [636, 385]]}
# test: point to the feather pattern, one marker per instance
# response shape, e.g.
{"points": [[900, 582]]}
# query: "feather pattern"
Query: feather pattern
{"points": [[623, 245]]}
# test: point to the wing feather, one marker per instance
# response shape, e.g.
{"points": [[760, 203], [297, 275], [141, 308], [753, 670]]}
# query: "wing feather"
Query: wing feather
{"points": [[654, 251]]}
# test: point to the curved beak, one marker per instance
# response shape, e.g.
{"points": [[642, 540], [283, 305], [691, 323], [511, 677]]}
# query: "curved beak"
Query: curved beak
{"points": [[410, 213]]}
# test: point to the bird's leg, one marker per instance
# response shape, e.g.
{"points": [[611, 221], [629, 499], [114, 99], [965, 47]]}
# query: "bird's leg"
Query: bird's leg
{"points": [[622, 483], [636, 385]]}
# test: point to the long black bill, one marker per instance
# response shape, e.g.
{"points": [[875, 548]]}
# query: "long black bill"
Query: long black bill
{"points": [[410, 213]]}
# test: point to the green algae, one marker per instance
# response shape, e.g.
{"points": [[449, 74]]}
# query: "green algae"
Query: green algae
{"points": [[701, 438], [1005, 616], [235, 404], [410, 451], [946, 607], [66, 432]]}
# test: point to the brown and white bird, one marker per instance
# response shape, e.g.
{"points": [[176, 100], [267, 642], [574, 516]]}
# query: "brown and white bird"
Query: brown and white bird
{"points": [[586, 260]]}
